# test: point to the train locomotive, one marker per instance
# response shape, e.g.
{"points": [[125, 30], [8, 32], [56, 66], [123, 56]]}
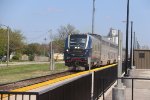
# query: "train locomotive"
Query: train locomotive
{"points": [[80, 47]]}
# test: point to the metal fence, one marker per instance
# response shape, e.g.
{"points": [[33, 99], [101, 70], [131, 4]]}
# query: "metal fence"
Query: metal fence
{"points": [[75, 89], [5, 95], [103, 80], [133, 82], [79, 88]]}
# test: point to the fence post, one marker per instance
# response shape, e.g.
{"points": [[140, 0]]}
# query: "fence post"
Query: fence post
{"points": [[89, 62], [103, 89], [132, 89], [37, 97], [92, 86]]}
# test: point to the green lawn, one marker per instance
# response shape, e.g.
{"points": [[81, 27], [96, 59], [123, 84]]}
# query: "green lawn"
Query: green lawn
{"points": [[21, 72]]}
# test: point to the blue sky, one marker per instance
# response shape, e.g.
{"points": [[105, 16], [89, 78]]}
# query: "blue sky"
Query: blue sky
{"points": [[36, 17]]}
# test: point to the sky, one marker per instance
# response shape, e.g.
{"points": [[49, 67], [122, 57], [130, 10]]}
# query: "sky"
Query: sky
{"points": [[35, 18]]}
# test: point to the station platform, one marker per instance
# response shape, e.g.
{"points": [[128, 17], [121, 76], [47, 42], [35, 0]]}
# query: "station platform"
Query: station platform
{"points": [[141, 90]]}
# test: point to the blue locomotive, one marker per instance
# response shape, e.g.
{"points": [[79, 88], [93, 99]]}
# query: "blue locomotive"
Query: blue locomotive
{"points": [[80, 47]]}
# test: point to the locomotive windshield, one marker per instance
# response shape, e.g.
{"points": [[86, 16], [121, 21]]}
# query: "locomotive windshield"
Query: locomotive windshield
{"points": [[78, 41]]}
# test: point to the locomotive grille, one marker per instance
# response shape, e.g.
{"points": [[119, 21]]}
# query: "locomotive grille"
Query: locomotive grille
{"points": [[77, 52]]}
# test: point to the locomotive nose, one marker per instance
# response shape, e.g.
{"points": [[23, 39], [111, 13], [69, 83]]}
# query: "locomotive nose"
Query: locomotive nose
{"points": [[77, 63]]}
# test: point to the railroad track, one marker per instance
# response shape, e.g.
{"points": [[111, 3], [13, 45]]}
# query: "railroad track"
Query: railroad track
{"points": [[27, 82]]}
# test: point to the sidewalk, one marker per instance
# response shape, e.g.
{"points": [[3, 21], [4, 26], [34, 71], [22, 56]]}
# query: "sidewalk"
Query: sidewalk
{"points": [[25, 63], [141, 89]]}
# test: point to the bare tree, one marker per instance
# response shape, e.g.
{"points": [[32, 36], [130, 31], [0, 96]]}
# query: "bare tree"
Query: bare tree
{"points": [[63, 32]]}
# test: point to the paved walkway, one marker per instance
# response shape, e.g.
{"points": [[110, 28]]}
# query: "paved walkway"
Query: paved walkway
{"points": [[141, 89], [25, 63]]}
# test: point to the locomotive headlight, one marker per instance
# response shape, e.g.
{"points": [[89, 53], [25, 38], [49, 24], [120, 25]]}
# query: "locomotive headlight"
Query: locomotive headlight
{"points": [[67, 50]]}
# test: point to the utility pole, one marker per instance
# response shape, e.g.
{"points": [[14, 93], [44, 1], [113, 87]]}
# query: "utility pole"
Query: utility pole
{"points": [[53, 60], [8, 30], [51, 55], [118, 92], [51, 49], [93, 16], [44, 46], [127, 27], [131, 49], [119, 57]]}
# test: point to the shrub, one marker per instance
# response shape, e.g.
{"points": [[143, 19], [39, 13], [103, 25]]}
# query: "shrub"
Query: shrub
{"points": [[16, 57], [31, 57]]}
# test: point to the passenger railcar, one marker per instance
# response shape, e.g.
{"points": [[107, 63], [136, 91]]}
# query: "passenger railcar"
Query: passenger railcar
{"points": [[80, 47]]}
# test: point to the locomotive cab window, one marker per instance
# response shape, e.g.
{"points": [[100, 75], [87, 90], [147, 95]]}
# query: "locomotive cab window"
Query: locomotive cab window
{"points": [[78, 41], [141, 55]]}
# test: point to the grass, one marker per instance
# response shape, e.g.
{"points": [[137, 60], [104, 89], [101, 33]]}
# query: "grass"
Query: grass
{"points": [[21, 72]]}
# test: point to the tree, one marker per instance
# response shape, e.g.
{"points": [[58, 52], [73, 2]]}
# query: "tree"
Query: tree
{"points": [[63, 32], [35, 49], [32, 49], [3, 45], [16, 41]]}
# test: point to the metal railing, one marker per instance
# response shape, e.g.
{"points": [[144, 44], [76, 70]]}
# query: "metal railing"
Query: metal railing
{"points": [[103, 80], [5, 95], [78, 88], [132, 83]]}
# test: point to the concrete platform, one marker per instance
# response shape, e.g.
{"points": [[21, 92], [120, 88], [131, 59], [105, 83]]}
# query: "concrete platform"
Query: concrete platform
{"points": [[141, 89]]}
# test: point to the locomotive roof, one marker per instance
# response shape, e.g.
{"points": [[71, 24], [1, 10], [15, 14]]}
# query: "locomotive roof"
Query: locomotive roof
{"points": [[102, 38], [96, 36]]}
